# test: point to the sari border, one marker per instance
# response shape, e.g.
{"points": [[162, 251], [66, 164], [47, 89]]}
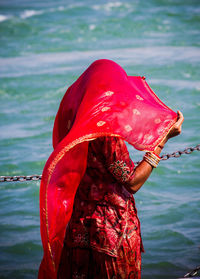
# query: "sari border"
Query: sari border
{"points": [[59, 156], [88, 137]]}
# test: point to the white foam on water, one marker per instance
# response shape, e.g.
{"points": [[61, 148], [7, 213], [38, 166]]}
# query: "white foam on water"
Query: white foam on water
{"points": [[30, 13], [19, 130], [61, 8], [110, 6], [53, 70], [4, 17], [92, 26], [177, 83], [49, 62]]}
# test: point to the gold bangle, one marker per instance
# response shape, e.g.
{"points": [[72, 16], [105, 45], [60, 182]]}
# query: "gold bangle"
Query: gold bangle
{"points": [[152, 158], [150, 161], [153, 164]]}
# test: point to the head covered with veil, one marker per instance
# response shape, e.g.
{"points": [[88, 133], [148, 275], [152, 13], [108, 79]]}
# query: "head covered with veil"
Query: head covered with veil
{"points": [[103, 101]]}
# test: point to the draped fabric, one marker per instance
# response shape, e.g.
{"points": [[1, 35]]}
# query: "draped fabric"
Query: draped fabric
{"points": [[104, 218], [104, 101], [103, 207]]}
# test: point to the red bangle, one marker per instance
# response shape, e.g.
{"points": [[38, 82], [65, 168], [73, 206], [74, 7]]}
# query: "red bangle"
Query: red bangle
{"points": [[156, 155]]}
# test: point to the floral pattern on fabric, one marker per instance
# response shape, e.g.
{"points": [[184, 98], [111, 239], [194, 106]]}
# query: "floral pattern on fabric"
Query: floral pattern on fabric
{"points": [[103, 208], [120, 170], [83, 263]]}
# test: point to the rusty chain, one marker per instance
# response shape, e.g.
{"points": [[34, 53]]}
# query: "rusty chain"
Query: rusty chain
{"points": [[20, 178], [164, 157], [192, 273], [177, 154]]}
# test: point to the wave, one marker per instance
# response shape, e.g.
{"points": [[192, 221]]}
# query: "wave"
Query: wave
{"points": [[4, 17], [25, 14], [177, 83], [30, 13], [62, 61], [110, 6]]}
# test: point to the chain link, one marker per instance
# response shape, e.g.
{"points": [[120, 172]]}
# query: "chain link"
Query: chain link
{"points": [[177, 154], [20, 178], [164, 157], [192, 273]]}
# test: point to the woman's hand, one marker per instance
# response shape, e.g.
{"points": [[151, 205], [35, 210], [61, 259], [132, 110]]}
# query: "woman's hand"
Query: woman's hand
{"points": [[144, 169], [176, 129]]}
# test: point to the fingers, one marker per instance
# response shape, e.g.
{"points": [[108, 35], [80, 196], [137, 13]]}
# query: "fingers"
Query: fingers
{"points": [[180, 118], [179, 122], [176, 130]]}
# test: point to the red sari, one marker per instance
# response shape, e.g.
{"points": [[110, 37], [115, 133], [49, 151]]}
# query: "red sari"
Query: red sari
{"points": [[104, 222], [104, 101]]}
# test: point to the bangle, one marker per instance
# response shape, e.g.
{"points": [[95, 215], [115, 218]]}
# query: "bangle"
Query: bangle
{"points": [[152, 158], [154, 155], [150, 162]]}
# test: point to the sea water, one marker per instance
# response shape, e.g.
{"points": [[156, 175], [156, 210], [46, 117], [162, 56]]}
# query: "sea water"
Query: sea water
{"points": [[44, 47]]}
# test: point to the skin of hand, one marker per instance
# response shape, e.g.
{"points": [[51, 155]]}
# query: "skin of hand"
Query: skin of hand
{"points": [[144, 169]]}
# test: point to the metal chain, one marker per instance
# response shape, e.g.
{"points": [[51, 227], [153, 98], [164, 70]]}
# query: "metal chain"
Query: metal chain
{"points": [[177, 154], [20, 178], [192, 273], [164, 157]]}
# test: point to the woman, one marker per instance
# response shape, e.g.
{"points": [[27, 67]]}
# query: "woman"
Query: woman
{"points": [[99, 111]]}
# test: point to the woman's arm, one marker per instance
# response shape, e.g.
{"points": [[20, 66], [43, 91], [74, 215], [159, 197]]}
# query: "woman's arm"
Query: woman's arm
{"points": [[144, 169]]}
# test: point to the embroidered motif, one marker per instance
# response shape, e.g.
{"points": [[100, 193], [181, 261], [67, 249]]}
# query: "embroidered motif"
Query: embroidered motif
{"points": [[100, 123], [77, 275], [120, 170], [109, 93], [65, 203], [81, 239], [148, 137], [139, 97], [105, 109], [94, 159], [157, 120], [135, 111], [128, 128]]}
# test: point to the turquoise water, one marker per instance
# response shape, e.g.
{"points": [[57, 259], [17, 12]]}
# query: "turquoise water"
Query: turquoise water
{"points": [[44, 46]]}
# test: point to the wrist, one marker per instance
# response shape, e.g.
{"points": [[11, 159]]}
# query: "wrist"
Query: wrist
{"points": [[152, 158], [161, 145], [163, 142]]}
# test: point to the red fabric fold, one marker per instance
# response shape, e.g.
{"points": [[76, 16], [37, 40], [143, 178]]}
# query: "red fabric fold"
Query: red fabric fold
{"points": [[104, 101]]}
